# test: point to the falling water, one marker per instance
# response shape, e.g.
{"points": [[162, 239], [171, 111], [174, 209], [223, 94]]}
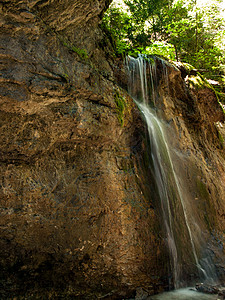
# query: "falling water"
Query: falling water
{"points": [[143, 89]]}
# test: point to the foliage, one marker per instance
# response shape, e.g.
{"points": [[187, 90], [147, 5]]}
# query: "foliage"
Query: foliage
{"points": [[161, 48], [175, 29], [117, 25], [195, 35]]}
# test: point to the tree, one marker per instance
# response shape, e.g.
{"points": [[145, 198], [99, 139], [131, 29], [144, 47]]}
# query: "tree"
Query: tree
{"points": [[150, 11], [196, 36], [176, 29], [117, 24]]}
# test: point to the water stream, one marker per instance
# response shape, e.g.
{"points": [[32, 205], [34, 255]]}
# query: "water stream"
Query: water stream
{"points": [[143, 89], [183, 294]]}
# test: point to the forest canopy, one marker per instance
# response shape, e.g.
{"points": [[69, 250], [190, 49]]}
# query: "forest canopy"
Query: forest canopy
{"points": [[180, 30]]}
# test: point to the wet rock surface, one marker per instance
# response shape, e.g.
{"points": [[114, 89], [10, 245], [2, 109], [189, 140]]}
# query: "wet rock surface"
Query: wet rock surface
{"points": [[195, 123], [211, 289], [78, 200]]}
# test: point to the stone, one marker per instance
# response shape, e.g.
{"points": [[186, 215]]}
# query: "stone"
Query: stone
{"points": [[211, 289], [141, 294], [208, 289]]}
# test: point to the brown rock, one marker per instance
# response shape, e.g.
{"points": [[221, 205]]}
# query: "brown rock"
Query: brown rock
{"points": [[74, 218]]}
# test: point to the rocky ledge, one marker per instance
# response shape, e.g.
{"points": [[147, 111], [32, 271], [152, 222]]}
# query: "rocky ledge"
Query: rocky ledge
{"points": [[211, 289]]}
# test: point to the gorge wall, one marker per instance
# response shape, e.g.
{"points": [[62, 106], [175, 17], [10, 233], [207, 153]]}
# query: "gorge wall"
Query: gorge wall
{"points": [[78, 200]]}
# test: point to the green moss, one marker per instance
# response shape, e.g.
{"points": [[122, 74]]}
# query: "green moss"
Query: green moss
{"points": [[127, 166], [220, 96], [64, 43], [82, 53], [121, 105], [202, 189], [207, 207], [221, 139], [65, 77], [188, 67], [198, 82], [136, 204]]}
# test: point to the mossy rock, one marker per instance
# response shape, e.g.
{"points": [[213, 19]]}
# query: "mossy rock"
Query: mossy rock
{"points": [[121, 105], [198, 82]]}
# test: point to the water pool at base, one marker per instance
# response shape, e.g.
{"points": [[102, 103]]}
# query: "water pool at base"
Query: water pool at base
{"points": [[183, 294]]}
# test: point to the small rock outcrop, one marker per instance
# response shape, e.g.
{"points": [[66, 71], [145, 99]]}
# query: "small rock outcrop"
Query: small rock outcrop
{"points": [[211, 289]]}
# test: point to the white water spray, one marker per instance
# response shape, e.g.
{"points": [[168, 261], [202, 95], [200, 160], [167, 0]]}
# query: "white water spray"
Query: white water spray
{"points": [[164, 171]]}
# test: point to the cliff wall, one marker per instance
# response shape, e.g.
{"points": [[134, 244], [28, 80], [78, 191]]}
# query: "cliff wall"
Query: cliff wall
{"points": [[76, 220], [78, 217]]}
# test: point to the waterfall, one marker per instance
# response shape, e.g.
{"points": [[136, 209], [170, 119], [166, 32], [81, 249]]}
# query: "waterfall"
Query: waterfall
{"points": [[143, 89]]}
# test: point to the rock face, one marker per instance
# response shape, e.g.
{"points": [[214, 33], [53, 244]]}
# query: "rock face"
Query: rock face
{"points": [[78, 218], [194, 123], [188, 120], [75, 216]]}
